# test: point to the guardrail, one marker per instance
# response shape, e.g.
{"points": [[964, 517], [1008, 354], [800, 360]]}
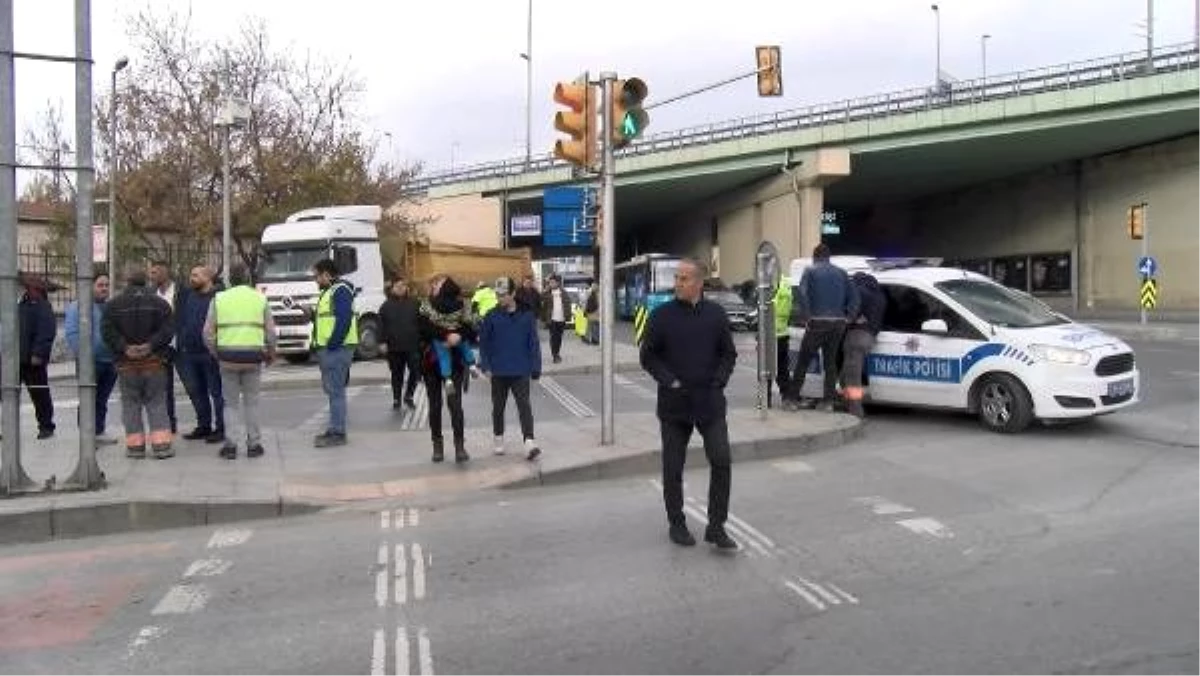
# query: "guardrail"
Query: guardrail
{"points": [[1126, 66]]}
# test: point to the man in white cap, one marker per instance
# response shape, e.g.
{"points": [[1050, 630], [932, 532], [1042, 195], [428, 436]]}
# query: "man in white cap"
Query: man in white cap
{"points": [[511, 354]]}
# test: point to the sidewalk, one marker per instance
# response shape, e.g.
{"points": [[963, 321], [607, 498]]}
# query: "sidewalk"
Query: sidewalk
{"points": [[196, 488], [1154, 330]]}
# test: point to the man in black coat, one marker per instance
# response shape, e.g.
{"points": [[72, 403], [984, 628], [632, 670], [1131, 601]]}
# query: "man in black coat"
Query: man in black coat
{"points": [[401, 332], [442, 292], [688, 349], [37, 327]]}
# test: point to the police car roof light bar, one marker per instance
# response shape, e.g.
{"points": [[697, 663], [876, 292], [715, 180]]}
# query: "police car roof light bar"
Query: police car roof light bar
{"points": [[904, 262]]}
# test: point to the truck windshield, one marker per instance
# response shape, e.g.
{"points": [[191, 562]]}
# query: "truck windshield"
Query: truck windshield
{"points": [[1000, 305], [290, 264]]}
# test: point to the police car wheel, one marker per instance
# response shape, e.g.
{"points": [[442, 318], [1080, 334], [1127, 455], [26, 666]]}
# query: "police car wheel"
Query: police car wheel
{"points": [[1003, 404]]}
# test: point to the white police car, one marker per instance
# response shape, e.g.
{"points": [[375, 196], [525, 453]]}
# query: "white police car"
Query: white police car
{"points": [[957, 340]]}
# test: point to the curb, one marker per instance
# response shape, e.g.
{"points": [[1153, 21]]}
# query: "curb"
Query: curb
{"points": [[60, 523], [649, 462], [1149, 332]]}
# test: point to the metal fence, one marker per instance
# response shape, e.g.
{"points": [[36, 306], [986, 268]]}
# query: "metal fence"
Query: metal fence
{"points": [[1067, 76], [58, 269]]}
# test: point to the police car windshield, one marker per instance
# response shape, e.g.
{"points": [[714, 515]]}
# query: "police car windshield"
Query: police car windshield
{"points": [[1000, 305]]}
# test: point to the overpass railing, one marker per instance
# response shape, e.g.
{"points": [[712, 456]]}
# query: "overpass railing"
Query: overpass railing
{"points": [[949, 93]]}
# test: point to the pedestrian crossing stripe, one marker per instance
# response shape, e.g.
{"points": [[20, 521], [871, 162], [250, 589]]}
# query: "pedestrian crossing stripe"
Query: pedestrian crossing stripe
{"points": [[1149, 294], [640, 316]]}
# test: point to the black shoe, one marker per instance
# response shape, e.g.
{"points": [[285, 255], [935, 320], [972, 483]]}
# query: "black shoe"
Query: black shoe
{"points": [[45, 433], [135, 452], [460, 452], [228, 451], [163, 451], [408, 401], [681, 536], [329, 439], [198, 433], [439, 451], [720, 538], [216, 437], [255, 451], [395, 404], [557, 359]]}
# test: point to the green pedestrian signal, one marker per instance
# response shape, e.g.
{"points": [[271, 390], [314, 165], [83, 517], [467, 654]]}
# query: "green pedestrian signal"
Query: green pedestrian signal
{"points": [[627, 119]]}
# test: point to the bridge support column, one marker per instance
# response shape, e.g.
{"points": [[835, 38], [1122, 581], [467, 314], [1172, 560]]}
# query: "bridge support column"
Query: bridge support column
{"points": [[816, 170]]}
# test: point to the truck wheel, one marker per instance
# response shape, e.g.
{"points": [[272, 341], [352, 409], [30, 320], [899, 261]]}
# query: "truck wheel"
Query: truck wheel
{"points": [[1003, 404], [368, 339], [297, 358]]}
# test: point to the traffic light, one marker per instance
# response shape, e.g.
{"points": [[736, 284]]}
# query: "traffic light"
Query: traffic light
{"points": [[579, 122], [770, 77], [626, 118], [1136, 221]]}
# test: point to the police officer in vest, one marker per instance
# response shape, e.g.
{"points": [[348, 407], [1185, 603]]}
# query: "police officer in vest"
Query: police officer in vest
{"points": [[335, 335], [240, 333]]}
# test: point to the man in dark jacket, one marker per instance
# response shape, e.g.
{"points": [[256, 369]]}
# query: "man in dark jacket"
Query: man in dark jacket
{"points": [[137, 328], [441, 290], [528, 298], [37, 327], [198, 368], [556, 312], [398, 315], [823, 301], [510, 351], [860, 338], [688, 349]]}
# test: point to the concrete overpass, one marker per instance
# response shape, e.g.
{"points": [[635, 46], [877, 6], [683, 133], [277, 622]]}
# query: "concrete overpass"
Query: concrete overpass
{"points": [[720, 187]]}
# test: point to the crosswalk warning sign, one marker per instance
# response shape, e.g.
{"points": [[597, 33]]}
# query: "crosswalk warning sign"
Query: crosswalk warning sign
{"points": [[1149, 294], [640, 317]]}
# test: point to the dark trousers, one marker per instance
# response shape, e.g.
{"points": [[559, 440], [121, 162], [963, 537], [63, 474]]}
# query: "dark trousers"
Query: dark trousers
{"points": [[201, 376], [171, 398], [556, 336], [824, 335], [675, 437], [519, 386], [782, 373], [106, 380], [433, 393], [398, 363], [37, 383]]}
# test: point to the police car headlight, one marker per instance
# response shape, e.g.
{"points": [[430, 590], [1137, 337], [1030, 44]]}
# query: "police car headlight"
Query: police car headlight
{"points": [[1061, 355]]}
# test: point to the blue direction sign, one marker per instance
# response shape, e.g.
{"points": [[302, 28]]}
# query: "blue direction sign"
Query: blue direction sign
{"points": [[1147, 266]]}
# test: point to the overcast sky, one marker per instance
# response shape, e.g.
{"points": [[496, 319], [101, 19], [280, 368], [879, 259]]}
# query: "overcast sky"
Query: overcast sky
{"points": [[445, 79]]}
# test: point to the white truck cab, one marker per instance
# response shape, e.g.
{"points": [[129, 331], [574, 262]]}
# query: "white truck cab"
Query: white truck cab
{"points": [[346, 234], [954, 339]]}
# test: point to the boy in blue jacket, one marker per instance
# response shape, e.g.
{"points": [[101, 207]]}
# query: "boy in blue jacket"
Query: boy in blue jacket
{"points": [[510, 352], [106, 372]]}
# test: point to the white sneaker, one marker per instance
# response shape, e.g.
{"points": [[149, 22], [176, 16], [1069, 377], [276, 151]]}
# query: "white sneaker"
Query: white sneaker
{"points": [[475, 372], [531, 450], [498, 449]]}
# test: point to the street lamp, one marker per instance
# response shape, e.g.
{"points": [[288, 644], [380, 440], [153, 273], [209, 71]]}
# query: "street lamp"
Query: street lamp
{"points": [[937, 68], [528, 56], [983, 55], [233, 114], [112, 171]]}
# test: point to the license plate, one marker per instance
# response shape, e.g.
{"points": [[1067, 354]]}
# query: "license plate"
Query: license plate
{"points": [[1121, 388]]}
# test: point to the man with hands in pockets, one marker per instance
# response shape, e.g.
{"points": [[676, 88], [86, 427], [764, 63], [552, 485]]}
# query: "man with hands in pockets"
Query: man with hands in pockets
{"points": [[511, 354], [688, 349]]}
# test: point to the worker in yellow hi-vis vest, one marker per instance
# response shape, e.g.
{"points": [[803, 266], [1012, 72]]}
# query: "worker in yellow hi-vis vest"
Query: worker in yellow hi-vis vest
{"points": [[640, 317]]}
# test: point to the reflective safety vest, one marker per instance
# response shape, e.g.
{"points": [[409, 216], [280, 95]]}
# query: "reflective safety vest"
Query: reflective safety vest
{"points": [[484, 300], [783, 308], [323, 330], [240, 323], [640, 317]]}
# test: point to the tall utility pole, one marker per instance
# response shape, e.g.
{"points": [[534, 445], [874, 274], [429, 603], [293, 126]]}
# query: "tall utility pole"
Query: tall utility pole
{"points": [[608, 239], [529, 85], [113, 272], [937, 64], [87, 473], [1149, 35], [983, 56]]}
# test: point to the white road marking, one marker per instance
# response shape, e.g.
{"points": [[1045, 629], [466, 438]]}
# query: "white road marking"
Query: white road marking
{"points": [[417, 417], [1178, 374], [751, 530], [414, 517], [883, 506], [381, 577], [378, 654], [399, 519], [793, 466], [743, 530], [144, 636], [229, 537], [181, 599], [401, 576], [844, 594], [402, 650], [696, 514], [425, 654], [927, 526], [207, 568], [321, 417], [563, 396], [418, 573], [804, 594], [636, 388], [385, 520], [824, 593]]}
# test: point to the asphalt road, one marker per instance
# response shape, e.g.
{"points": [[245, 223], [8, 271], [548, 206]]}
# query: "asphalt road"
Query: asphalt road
{"points": [[929, 546]]}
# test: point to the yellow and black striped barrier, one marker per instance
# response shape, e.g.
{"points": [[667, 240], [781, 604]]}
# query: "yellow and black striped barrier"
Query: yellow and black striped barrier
{"points": [[640, 317]]}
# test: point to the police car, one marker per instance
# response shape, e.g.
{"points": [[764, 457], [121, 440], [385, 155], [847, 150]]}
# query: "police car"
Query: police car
{"points": [[954, 339]]}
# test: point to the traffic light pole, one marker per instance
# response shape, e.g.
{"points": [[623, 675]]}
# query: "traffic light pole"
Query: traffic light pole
{"points": [[607, 240]]}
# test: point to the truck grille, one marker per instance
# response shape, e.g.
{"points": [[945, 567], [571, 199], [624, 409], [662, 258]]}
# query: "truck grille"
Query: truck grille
{"points": [[1115, 364], [290, 320]]}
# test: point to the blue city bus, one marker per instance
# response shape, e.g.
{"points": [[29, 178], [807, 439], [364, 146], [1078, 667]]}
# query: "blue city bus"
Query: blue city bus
{"points": [[648, 278]]}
